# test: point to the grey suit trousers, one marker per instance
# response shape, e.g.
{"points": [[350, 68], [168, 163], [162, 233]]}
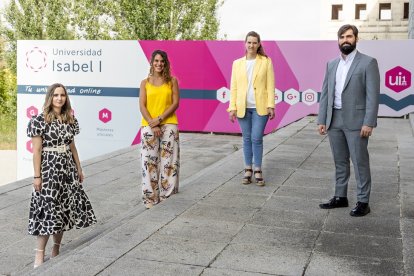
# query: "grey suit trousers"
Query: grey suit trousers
{"points": [[346, 144]]}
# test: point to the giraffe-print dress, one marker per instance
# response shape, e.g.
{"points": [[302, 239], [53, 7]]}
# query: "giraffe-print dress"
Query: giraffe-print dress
{"points": [[62, 203]]}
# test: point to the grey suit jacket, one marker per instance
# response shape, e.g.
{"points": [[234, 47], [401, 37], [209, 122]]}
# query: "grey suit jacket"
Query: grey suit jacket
{"points": [[360, 95]]}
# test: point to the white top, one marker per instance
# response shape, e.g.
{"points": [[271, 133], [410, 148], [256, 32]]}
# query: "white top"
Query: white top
{"points": [[251, 101], [341, 72]]}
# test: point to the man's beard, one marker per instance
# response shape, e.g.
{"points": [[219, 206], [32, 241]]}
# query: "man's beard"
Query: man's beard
{"points": [[347, 48]]}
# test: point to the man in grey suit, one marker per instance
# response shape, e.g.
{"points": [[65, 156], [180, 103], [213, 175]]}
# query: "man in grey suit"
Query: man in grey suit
{"points": [[348, 112]]}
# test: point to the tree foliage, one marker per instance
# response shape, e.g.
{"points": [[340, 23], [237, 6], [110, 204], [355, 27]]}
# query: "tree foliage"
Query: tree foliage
{"points": [[7, 86], [168, 19], [97, 20]]}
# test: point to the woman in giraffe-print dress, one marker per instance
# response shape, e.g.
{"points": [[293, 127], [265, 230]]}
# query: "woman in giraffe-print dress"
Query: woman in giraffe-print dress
{"points": [[58, 201]]}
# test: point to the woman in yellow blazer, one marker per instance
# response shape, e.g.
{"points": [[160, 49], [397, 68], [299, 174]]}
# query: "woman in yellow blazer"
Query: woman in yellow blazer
{"points": [[252, 101]]}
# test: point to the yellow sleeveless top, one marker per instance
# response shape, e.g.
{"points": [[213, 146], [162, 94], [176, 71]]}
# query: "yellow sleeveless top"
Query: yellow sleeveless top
{"points": [[159, 98]]}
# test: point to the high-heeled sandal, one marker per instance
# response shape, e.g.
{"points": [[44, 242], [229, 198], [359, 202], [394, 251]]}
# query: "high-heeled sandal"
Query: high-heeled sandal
{"points": [[259, 180], [247, 179], [37, 264], [58, 250]]}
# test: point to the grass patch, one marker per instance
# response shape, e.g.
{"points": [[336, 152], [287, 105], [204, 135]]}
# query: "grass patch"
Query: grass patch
{"points": [[8, 129]]}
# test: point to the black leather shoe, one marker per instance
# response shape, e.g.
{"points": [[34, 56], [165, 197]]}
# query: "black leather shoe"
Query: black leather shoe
{"points": [[335, 202], [361, 209]]}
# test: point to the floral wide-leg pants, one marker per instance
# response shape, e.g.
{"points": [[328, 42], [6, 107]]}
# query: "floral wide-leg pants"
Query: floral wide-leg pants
{"points": [[160, 163]]}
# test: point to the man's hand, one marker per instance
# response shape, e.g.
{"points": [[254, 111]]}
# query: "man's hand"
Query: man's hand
{"points": [[322, 129], [366, 131]]}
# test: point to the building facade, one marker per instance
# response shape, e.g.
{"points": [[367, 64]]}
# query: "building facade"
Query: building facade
{"points": [[411, 21], [375, 19]]}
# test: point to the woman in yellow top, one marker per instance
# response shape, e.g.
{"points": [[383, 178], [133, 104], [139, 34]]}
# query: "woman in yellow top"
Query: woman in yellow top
{"points": [[252, 101], [160, 152]]}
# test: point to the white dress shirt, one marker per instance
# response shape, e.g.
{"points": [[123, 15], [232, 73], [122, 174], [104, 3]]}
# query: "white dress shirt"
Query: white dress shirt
{"points": [[341, 72]]}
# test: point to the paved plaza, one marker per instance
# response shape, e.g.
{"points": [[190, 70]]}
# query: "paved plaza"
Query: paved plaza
{"points": [[217, 226]]}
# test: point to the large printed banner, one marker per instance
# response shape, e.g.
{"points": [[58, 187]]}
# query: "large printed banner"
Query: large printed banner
{"points": [[103, 80]]}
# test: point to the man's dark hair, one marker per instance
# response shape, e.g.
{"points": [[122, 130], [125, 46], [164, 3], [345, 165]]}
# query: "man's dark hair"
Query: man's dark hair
{"points": [[345, 28]]}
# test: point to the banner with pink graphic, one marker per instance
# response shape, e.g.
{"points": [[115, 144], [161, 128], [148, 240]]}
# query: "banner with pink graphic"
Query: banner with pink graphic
{"points": [[204, 69], [103, 80]]}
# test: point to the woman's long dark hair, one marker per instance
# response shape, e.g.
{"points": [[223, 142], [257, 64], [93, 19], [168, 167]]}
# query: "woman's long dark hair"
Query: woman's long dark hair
{"points": [[260, 50], [166, 73]]}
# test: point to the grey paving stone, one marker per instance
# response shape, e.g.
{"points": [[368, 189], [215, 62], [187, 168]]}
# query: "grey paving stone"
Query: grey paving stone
{"points": [[372, 226], [289, 219], [11, 234], [12, 263], [262, 259], [317, 166], [228, 199], [352, 266], [201, 229], [229, 272], [276, 236], [407, 206], [300, 180], [134, 266], [357, 245], [177, 250], [323, 174], [75, 264], [407, 230], [123, 238], [236, 187], [14, 197], [304, 192], [219, 213], [293, 204]]}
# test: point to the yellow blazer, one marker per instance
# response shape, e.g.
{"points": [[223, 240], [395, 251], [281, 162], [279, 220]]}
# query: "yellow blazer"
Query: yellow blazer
{"points": [[263, 83]]}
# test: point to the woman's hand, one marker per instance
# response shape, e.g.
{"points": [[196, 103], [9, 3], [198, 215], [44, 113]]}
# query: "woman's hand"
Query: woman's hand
{"points": [[37, 184], [154, 122], [157, 131], [81, 176], [232, 115], [271, 112]]}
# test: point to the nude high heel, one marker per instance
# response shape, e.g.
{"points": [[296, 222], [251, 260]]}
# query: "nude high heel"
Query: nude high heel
{"points": [[38, 262]]}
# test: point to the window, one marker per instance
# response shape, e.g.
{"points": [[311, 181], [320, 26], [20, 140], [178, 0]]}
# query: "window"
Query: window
{"points": [[336, 12], [385, 11], [361, 11], [406, 10]]}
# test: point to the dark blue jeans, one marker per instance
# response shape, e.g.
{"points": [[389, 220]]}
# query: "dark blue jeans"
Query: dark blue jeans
{"points": [[252, 127]]}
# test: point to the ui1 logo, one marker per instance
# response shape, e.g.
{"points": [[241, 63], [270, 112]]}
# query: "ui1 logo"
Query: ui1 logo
{"points": [[31, 111], [223, 95], [105, 115], [398, 79]]}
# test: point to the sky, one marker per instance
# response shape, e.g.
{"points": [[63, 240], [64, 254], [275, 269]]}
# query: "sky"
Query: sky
{"points": [[272, 19]]}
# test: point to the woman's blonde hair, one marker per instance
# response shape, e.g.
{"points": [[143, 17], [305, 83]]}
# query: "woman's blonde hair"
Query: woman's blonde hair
{"points": [[49, 114]]}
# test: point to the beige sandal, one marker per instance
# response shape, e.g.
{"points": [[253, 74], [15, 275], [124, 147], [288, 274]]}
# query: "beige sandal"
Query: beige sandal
{"points": [[259, 180], [37, 263], [247, 179]]}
